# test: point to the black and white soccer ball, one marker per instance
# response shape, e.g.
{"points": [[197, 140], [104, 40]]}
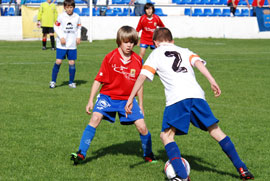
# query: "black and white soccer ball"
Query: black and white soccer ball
{"points": [[169, 171]]}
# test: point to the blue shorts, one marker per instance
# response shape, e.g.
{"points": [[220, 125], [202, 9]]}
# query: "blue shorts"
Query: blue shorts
{"points": [[63, 53], [108, 108], [146, 46], [181, 113]]}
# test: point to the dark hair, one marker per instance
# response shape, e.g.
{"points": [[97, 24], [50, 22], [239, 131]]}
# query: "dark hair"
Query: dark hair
{"points": [[127, 34], [69, 3], [162, 34], [147, 6]]}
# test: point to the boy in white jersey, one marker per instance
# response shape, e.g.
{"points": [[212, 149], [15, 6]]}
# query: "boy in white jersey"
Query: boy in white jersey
{"points": [[185, 101], [68, 30]]}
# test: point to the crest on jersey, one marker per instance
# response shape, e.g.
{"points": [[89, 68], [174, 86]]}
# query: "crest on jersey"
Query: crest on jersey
{"points": [[132, 72], [155, 24]]}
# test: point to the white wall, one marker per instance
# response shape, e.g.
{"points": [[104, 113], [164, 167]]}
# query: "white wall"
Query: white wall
{"points": [[181, 27]]}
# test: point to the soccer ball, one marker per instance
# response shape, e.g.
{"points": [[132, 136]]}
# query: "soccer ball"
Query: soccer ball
{"points": [[169, 171]]}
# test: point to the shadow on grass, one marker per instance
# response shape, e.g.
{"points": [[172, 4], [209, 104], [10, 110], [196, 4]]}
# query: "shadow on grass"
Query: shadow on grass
{"points": [[78, 83], [197, 163], [125, 148]]}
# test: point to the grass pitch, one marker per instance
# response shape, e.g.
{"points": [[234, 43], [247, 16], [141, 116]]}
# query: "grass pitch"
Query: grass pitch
{"points": [[40, 127]]}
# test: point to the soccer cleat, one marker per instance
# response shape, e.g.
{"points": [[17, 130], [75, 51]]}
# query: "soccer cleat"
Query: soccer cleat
{"points": [[77, 157], [52, 84], [150, 158], [52, 48], [177, 178], [245, 174], [72, 85], [43, 48]]}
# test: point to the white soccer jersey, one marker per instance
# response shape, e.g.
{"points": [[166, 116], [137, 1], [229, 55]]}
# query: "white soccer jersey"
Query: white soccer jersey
{"points": [[68, 27], [174, 64]]}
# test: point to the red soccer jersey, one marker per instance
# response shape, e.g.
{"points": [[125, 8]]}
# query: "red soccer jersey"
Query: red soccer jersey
{"points": [[117, 75], [148, 26], [255, 3]]}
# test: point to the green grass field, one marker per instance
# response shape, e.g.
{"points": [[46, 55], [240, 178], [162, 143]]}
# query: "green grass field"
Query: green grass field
{"points": [[40, 127]]}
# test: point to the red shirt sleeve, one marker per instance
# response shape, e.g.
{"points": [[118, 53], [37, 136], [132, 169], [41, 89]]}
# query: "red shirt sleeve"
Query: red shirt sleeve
{"points": [[139, 26], [103, 75], [160, 23]]}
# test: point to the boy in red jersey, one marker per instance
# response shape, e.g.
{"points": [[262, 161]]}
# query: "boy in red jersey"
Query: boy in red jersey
{"points": [[118, 73], [148, 23]]}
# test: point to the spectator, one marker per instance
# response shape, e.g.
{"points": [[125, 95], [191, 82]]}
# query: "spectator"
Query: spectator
{"points": [[103, 6], [17, 6], [47, 16], [148, 23], [233, 5], [139, 6], [0, 7], [259, 4]]}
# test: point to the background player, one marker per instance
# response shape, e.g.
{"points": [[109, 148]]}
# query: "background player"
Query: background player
{"points": [[118, 73], [185, 101], [47, 16], [148, 23], [68, 30]]}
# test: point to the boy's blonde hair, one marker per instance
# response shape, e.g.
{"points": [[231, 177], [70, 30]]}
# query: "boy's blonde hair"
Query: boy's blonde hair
{"points": [[126, 34], [162, 35]]}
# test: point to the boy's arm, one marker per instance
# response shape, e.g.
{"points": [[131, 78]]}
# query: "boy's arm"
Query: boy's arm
{"points": [[39, 15], [137, 86], [60, 33], [214, 86], [94, 90], [79, 29], [140, 98]]}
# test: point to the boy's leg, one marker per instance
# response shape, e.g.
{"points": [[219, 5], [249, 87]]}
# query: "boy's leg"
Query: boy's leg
{"points": [[44, 41], [55, 71], [52, 41], [173, 152], [72, 71], [229, 149], [146, 140], [142, 52], [87, 138]]}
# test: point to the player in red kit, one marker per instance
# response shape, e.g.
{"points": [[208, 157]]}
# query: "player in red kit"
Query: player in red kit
{"points": [[117, 75], [148, 23]]}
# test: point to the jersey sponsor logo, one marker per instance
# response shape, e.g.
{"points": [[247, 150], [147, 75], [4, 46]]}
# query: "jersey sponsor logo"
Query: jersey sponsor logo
{"points": [[124, 70], [149, 29], [102, 104]]}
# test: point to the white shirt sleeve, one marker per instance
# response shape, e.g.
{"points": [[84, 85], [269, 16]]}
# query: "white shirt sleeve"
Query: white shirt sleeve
{"points": [[194, 57], [150, 66], [79, 28], [57, 28]]}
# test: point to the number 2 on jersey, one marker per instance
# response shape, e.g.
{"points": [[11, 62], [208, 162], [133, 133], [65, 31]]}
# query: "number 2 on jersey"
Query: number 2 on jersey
{"points": [[177, 61]]}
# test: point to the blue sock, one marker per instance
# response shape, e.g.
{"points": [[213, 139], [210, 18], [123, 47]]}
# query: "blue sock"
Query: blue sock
{"points": [[86, 139], [174, 155], [146, 144], [228, 147], [55, 71], [72, 70]]}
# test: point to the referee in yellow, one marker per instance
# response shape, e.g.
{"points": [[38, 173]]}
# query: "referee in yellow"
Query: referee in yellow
{"points": [[47, 15]]}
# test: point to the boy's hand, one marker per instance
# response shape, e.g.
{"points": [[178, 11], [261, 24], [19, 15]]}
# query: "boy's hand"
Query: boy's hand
{"points": [[216, 89], [63, 41], [89, 107], [78, 41], [128, 107], [38, 24]]}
